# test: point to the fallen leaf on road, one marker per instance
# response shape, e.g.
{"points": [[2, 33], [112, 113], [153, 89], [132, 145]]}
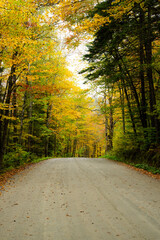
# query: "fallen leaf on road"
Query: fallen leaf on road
{"points": [[67, 215], [15, 204]]}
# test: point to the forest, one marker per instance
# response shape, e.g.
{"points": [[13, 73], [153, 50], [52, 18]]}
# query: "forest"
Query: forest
{"points": [[44, 112]]}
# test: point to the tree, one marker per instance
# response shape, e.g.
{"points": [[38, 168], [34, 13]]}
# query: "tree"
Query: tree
{"points": [[22, 32], [122, 52]]}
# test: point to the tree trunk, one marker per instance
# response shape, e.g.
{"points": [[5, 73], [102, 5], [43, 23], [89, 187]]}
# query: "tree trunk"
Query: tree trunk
{"points": [[121, 91], [55, 145], [152, 97], [130, 81], [30, 127], [4, 124], [46, 146], [111, 125], [49, 108], [106, 133], [14, 105], [94, 150], [128, 102], [129, 108], [74, 147], [141, 73], [1, 145], [106, 118], [22, 117], [29, 110]]}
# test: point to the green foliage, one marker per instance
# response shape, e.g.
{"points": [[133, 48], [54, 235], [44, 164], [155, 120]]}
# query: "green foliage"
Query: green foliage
{"points": [[145, 166], [123, 55], [37, 160], [111, 155], [17, 157]]}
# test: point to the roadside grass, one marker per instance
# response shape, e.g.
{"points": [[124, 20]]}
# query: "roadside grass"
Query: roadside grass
{"points": [[142, 165], [40, 159]]}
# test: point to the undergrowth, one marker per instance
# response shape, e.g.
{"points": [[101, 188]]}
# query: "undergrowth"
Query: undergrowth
{"points": [[21, 159], [142, 165]]}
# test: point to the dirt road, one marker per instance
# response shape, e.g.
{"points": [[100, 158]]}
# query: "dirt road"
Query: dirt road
{"points": [[80, 199]]}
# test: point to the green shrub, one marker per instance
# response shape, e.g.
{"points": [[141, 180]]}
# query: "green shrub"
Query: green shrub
{"points": [[16, 157]]}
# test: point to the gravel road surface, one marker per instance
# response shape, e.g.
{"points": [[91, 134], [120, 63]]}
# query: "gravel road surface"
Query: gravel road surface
{"points": [[80, 199]]}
